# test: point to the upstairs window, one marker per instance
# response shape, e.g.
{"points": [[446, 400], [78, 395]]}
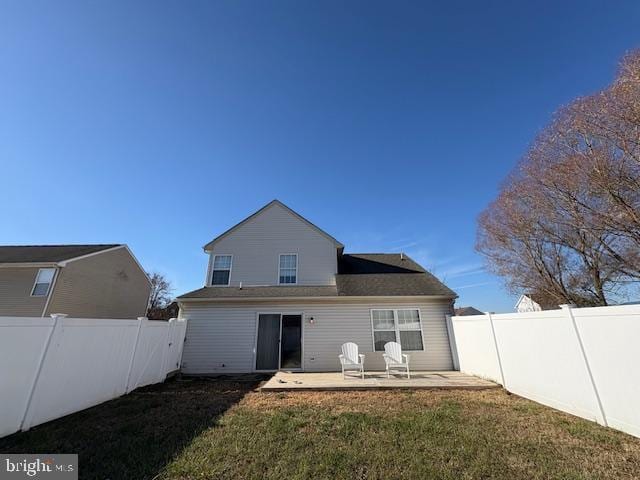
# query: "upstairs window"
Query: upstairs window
{"points": [[402, 326], [288, 273], [43, 282], [221, 270]]}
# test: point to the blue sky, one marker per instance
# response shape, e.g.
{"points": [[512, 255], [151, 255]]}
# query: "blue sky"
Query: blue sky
{"points": [[389, 124]]}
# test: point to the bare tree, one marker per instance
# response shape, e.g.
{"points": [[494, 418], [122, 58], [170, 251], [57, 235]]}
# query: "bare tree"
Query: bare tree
{"points": [[566, 223], [160, 298]]}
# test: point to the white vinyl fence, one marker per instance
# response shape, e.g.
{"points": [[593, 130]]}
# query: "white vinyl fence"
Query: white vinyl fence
{"points": [[51, 367], [585, 361]]}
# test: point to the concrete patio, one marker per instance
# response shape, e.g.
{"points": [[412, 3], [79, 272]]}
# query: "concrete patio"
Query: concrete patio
{"points": [[287, 381]]}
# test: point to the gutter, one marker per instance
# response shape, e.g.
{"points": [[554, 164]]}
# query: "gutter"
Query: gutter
{"points": [[339, 298]]}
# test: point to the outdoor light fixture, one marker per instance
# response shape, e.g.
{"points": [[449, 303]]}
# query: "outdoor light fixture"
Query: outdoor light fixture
{"points": [[312, 320]]}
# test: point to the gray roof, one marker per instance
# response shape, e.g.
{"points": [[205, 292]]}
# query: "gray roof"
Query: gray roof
{"points": [[360, 275], [386, 274], [363, 263], [464, 311], [391, 284], [262, 292], [47, 253]]}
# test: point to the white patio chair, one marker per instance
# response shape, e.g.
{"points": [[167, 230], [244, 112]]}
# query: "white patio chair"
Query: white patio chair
{"points": [[350, 360], [394, 358]]}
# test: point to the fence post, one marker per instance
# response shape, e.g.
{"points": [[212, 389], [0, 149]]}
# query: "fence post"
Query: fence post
{"points": [[495, 344], [165, 350], [452, 343], [183, 339], [26, 424], [568, 310], [133, 354]]}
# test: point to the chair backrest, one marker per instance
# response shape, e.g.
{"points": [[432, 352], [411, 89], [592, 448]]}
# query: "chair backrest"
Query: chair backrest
{"points": [[394, 350], [350, 352]]}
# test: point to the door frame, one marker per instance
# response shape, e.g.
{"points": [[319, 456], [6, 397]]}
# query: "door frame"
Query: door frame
{"points": [[255, 340]]}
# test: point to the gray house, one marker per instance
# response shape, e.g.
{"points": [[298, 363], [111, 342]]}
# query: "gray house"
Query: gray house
{"points": [[280, 293], [88, 281]]}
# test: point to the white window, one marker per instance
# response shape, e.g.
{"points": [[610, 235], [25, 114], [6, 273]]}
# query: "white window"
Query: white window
{"points": [[402, 326], [221, 274], [288, 273], [43, 282]]}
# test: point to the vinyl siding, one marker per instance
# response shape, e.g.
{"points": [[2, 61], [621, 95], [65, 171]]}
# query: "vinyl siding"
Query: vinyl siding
{"points": [[108, 285], [221, 338], [526, 304], [15, 293], [257, 244]]}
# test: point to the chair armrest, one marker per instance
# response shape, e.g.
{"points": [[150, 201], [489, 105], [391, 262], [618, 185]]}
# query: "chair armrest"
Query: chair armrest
{"points": [[341, 357], [406, 357], [361, 357]]}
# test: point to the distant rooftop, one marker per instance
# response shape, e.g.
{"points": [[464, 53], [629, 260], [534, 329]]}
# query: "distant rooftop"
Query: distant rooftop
{"points": [[462, 311], [48, 253]]}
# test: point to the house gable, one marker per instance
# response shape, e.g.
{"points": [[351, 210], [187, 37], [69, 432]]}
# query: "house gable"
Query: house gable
{"points": [[272, 203], [257, 242], [526, 304], [109, 284]]}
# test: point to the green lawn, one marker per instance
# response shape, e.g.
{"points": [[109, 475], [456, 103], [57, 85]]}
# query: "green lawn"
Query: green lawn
{"points": [[221, 429]]}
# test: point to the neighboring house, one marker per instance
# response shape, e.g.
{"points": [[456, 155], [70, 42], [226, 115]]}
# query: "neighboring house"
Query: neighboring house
{"points": [[281, 294], [531, 302], [90, 281], [463, 311]]}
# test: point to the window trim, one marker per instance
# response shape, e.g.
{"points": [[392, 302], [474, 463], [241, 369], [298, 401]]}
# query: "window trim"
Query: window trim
{"points": [[396, 327], [35, 282], [213, 270], [279, 258]]}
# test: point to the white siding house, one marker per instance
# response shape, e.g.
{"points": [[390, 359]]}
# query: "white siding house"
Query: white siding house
{"points": [[530, 302], [282, 294]]}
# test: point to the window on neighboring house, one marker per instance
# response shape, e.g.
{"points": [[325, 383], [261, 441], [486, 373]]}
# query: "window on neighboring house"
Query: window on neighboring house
{"points": [[402, 326], [288, 273], [43, 282], [221, 270]]}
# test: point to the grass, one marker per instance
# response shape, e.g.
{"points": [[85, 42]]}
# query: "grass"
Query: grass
{"points": [[201, 429]]}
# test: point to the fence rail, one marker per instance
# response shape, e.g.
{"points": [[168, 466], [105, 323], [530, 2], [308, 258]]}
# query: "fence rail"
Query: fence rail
{"points": [[583, 361], [51, 367]]}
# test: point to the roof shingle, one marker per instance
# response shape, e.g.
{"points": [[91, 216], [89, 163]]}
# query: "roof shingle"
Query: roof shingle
{"points": [[360, 275], [464, 311], [47, 253], [262, 292], [364, 263]]}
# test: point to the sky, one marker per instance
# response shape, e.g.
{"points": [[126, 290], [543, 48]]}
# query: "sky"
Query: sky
{"points": [[390, 125]]}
